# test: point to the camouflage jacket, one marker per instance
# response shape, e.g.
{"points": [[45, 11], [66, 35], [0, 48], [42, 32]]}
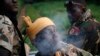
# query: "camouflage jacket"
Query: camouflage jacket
{"points": [[86, 33], [68, 50], [8, 35]]}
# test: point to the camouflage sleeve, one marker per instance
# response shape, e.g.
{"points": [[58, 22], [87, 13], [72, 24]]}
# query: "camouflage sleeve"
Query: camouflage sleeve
{"points": [[6, 33], [85, 53], [79, 52], [71, 50]]}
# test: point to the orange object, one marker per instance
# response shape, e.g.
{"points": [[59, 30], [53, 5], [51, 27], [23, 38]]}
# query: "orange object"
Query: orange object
{"points": [[58, 53], [37, 26]]}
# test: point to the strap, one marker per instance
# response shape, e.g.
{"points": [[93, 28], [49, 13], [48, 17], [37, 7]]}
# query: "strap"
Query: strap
{"points": [[23, 53]]}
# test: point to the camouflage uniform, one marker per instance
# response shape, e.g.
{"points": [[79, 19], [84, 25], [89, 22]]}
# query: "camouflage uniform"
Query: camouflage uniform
{"points": [[86, 33], [8, 35], [69, 50]]}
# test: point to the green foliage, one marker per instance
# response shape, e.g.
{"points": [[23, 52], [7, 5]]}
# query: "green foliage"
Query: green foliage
{"points": [[21, 2], [95, 11], [53, 10], [32, 12], [27, 40], [56, 11]]}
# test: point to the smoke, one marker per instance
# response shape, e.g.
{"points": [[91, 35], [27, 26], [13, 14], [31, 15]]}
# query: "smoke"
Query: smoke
{"points": [[78, 40], [63, 24], [47, 41]]}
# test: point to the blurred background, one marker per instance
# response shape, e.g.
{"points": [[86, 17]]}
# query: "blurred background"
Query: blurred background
{"points": [[55, 10]]}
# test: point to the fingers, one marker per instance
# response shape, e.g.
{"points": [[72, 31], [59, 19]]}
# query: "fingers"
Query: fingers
{"points": [[27, 20]]}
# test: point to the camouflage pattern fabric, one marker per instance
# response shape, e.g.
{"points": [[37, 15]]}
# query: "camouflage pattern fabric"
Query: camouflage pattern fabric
{"points": [[69, 50], [8, 35], [89, 32]]}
